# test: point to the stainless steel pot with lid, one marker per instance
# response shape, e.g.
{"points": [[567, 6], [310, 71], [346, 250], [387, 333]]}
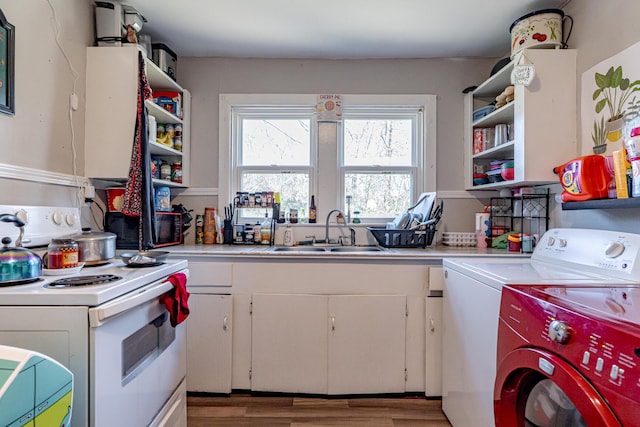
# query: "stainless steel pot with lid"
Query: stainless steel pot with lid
{"points": [[95, 247], [18, 265]]}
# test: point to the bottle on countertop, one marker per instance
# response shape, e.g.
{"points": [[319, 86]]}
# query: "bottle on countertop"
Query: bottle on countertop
{"points": [[312, 210], [265, 230], [288, 236], [256, 234]]}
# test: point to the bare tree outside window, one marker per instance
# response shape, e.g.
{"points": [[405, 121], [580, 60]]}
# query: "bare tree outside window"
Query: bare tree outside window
{"points": [[380, 153], [378, 144]]}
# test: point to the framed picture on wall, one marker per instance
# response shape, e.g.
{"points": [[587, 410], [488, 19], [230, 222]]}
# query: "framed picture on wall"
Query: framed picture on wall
{"points": [[7, 56]]}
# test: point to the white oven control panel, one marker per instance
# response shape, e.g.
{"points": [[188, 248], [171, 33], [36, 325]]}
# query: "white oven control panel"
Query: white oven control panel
{"points": [[42, 223]]}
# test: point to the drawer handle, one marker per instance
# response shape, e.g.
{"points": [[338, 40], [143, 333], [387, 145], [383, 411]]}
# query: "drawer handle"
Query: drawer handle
{"points": [[432, 324], [333, 323], [224, 323]]}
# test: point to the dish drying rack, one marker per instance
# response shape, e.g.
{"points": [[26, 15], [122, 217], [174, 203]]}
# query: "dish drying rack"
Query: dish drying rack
{"points": [[397, 238]]}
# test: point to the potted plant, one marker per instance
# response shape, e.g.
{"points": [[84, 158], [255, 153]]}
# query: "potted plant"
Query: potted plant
{"points": [[599, 137], [614, 91]]}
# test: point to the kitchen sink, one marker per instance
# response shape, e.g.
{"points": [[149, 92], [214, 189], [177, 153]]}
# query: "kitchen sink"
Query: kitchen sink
{"points": [[330, 249], [297, 249], [356, 249]]}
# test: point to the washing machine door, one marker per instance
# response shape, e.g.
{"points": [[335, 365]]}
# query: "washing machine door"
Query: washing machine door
{"points": [[535, 388]]}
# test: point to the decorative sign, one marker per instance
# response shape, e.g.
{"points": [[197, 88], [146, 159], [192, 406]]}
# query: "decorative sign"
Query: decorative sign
{"points": [[523, 74], [329, 108], [610, 107]]}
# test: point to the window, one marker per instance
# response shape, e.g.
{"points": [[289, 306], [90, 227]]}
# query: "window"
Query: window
{"points": [[382, 154]]}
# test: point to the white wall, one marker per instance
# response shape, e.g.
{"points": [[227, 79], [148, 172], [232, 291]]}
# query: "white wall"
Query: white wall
{"points": [[39, 135], [206, 78], [601, 29]]}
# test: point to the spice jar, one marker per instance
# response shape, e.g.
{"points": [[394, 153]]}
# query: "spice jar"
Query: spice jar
{"points": [[62, 253], [176, 172], [165, 171]]}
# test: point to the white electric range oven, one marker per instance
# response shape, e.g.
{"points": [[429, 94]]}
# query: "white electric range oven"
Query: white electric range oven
{"points": [[129, 363]]}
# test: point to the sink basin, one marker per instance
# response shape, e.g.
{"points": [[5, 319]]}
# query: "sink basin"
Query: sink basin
{"points": [[297, 249], [327, 249], [356, 249]]}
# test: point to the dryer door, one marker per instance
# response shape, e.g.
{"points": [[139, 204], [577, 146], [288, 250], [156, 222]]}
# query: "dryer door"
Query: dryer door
{"points": [[535, 388]]}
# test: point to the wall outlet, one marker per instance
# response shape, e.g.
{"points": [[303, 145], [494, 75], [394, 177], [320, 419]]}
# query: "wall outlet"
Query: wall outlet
{"points": [[88, 191]]}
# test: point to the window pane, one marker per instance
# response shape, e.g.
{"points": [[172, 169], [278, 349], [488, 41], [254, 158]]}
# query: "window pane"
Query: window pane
{"points": [[293, 188], [276, 142], [378, 195], [377, 142]]}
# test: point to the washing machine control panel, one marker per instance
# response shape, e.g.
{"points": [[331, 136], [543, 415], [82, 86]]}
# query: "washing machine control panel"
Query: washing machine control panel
{"points": [[559, 332], [600, 251], [595, 329]]}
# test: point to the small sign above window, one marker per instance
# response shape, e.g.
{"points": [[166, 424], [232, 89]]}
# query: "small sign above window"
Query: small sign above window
{"points": [[329, 108]]}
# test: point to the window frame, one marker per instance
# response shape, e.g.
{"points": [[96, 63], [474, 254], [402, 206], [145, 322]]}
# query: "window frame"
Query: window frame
{"points": [[425, 169]]}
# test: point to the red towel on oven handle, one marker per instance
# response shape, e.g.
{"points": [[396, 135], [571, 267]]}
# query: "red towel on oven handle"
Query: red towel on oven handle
{"points": [[177, 299]]}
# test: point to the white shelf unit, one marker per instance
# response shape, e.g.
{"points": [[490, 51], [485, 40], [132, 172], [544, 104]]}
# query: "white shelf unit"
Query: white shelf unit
{"points": [[543, 117], [112, 81]]}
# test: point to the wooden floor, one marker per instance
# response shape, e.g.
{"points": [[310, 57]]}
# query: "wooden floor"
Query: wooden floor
{"points": [[278, 411]]}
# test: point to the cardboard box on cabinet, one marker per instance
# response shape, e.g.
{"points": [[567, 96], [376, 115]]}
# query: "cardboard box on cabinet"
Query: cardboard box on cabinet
{"points": [[170, 101]]}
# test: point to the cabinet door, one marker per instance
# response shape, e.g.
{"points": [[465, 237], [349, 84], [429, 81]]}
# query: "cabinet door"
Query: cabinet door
{"points": [[367, 344], [289, 343], [209, 343]]}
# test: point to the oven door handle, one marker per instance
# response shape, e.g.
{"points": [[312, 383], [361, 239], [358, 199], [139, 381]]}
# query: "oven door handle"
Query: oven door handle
{"points": [[100, 315]]}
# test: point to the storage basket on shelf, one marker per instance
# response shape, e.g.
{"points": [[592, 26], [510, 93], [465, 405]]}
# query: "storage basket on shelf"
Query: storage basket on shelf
{"points": [[399, 238]]}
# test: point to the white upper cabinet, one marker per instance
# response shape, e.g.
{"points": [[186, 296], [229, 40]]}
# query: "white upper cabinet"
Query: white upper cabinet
{"points": [[542, 120], [112, 85]]}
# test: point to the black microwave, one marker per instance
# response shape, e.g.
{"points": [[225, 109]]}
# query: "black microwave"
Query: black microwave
{"points": [[168, 229]]}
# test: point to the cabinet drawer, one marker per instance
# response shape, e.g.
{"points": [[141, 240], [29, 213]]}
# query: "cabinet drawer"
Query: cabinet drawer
{"points": [[436, 280], [210, 274]]}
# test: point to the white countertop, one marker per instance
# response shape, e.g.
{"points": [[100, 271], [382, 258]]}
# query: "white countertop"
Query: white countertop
{"points": [[437, 252]]}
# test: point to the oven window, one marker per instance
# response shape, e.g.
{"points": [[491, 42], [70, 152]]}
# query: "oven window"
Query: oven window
{"points": [[145, 345], [549, 406]]}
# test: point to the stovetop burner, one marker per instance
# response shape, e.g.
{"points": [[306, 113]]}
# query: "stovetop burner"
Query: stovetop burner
{"points": [[19, 282], [66, 282]]}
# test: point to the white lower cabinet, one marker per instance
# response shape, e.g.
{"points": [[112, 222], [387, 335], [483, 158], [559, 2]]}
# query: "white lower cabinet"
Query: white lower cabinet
{"points": [[289, 343], [366, 344], [328, 344], [209, 343]]}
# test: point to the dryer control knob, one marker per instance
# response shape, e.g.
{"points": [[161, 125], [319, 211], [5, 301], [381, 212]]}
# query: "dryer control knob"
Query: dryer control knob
{"points": [[614, 250], [550, 241], [560, 332]]}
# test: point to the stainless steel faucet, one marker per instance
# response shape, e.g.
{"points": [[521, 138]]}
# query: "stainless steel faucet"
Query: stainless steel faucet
{"points": [[326, 227]]}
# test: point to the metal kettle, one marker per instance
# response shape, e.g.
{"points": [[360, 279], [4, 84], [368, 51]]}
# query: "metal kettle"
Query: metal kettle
{"points": [[18, 265]]}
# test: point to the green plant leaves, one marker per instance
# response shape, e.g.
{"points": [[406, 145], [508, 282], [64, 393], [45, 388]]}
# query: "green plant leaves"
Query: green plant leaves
{"points": [[600, 105], [616, 77], [603, 81], [596, 94]]}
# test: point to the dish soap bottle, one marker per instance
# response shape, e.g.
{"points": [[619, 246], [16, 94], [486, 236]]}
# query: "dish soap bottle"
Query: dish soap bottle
{"points": [[288, 236], [265, 231]]}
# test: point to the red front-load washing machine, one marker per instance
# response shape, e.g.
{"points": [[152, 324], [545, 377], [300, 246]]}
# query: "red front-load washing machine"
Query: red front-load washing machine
{"points": [[568, 356]]}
